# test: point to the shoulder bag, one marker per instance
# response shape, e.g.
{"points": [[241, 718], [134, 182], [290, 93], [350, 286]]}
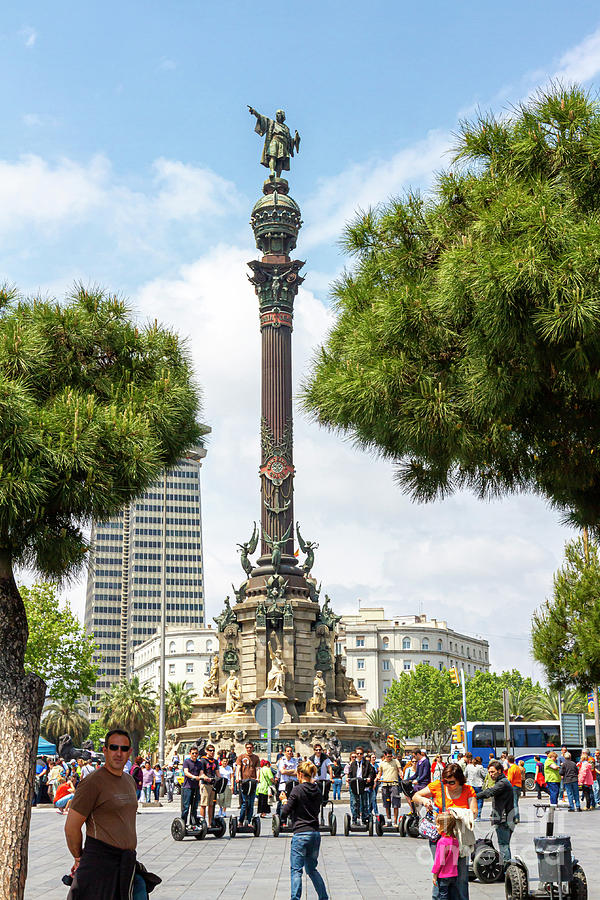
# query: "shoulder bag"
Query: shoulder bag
{"points": [[427, 825]]}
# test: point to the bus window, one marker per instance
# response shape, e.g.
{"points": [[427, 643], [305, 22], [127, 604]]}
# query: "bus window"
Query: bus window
{"points": [[590, 736], [550, 736], [482, 736], [519, 736], [535, 736], [499, 736]]}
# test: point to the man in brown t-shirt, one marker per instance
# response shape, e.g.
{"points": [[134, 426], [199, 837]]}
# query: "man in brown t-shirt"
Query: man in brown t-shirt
{"points": [[106, 801], [247, 765]]}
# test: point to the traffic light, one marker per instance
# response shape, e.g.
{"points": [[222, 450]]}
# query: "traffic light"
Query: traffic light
{"points": [[458, 735], [454, 675], [391, 741]]}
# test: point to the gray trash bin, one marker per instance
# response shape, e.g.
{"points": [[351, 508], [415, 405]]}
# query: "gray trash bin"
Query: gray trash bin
{"points": [[552, 851]]}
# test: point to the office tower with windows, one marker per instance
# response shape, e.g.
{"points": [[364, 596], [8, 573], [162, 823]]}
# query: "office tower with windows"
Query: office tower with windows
{"points": [[137, 557]]}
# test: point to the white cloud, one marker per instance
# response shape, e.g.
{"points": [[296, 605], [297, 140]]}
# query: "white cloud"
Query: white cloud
{"points": [[582, 62], [29, 36], [167, 65], [34, 192], [336, 199]]}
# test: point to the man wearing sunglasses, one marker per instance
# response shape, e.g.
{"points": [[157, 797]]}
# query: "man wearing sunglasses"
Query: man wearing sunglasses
{"points": [[208, 773], [107, 802]]}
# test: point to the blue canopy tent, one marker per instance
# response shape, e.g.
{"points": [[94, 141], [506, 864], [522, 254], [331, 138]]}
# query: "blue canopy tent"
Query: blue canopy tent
{"points": [[45, 748]]}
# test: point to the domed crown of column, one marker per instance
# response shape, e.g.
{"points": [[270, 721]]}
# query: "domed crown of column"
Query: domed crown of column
{"points": [[276, 219]]}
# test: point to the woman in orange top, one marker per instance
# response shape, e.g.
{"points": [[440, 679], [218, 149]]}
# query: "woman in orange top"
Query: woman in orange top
{"points": [[461, 795]]}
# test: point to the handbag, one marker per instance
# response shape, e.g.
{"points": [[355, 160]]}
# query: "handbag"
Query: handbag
{"points": [[427, 825]]}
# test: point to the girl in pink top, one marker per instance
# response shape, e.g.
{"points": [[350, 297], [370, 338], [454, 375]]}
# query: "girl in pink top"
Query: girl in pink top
{"points": [[445, 864], [586, 780]]}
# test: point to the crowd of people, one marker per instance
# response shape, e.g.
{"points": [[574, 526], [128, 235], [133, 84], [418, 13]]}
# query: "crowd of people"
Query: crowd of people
{"points": [[451, 792]]}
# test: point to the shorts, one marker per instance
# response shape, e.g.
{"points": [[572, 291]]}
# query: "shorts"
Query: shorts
{"points": [[225, 798], [391, 792], [207, 794], [60, 804]]}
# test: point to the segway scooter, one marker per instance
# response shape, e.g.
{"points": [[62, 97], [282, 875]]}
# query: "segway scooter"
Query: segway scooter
{"points": [[277, 824], [199, 828], [367, 825], [408, 826], [485, 864], [559, 873], [252, 827], [382, 826], [330, 827]]}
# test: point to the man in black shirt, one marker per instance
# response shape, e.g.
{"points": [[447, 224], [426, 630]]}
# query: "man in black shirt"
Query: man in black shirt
{"points": [[208, 772], [361, 778], [302, 808], [503, 807], [190, 791]]}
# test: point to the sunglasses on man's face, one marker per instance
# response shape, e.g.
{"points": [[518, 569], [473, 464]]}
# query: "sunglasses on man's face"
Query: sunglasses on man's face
{"points": [[450, 782], [115, 747]]}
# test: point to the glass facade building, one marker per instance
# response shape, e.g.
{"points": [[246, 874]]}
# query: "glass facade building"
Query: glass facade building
{"points": [[130, 566]]}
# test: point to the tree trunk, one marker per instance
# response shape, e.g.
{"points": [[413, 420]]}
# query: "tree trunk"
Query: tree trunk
{"points": [[21, 701]]}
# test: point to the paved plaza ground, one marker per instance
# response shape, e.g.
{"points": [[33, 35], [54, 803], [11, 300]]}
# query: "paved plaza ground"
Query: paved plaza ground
{"points": [[355, 868]]}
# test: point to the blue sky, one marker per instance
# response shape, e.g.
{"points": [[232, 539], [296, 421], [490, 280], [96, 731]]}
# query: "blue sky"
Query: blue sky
{"points": [[128, 158]]}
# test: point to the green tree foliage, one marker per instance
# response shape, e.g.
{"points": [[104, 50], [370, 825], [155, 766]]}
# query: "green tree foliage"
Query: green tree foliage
{"points": [[97, 734], [131, 706], [64, 717], [58, 648], [467, 341], [547, 705], [484, 694], [565, 629], [423, 704], [379, 718], [178, 704]]}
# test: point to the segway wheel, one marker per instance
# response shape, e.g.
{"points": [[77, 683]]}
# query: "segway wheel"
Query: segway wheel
{"points": [[402, 826], [200, 835], [578, 885], [487, 866], [233, 826], [256, 826], [379, 823], [219, 826], [276, 825], [412, 826], [330, 819], [371, 825], [332, 825], [178, 829], [347, 822], [515, 884]]}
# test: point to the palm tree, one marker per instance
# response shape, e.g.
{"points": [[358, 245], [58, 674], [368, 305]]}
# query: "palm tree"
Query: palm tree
{"points": [[379, 719], [129, 705], [547, 705], [178, 704], [63, 717], [522, 702]]}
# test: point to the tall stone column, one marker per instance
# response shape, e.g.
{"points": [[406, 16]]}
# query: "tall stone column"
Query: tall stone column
{"points": [[276, 221]]}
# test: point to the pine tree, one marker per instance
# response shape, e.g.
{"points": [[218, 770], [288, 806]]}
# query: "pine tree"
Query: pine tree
{"points": [[467, 342], [565, 629], [92, 409]]}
